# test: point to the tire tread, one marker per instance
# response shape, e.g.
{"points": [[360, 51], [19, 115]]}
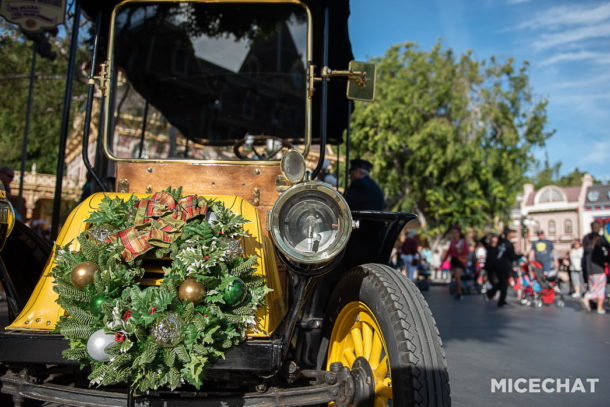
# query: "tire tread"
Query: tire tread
{"points": [[421, 352]]}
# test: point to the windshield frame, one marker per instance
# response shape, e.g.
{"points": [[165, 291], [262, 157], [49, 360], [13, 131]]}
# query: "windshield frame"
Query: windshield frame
{"points": [[108, 112]]}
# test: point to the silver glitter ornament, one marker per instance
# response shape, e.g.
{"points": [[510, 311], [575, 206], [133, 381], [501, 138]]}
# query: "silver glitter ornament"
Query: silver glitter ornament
{"points": [[234, 250], [167, 332], [100, 233], [97, 344]]}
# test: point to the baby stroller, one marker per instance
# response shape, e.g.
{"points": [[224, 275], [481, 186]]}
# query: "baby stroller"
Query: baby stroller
{"points": [[423, 274], [539, 288], [469, 283]]}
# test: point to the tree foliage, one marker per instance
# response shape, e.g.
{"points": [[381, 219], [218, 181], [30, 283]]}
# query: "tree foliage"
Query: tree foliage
{"points": [[547, 174], [45, 118], [450, 137]]}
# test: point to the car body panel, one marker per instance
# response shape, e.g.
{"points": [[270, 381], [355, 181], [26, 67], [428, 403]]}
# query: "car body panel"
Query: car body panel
{"points": [[42, 312]]}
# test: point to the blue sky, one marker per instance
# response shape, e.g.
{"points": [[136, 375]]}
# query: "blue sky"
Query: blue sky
{"points": [[567, 44]]}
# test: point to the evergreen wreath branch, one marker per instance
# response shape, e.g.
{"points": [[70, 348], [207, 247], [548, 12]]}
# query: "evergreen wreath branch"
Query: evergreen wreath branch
{"points": [[202, 248]]}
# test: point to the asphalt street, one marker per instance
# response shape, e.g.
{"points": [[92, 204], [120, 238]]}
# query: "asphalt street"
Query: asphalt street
{"points": [[483, 343]]}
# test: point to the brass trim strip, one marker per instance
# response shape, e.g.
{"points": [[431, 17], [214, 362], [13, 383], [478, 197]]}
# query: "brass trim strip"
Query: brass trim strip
{"points": [[110, 62]]}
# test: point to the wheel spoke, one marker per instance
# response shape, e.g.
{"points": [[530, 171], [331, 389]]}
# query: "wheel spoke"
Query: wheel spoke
{"points": [[350, 356], [357, 339], [367, 339], [380, 402], [375, 351], [382, 370], [383, 388]]}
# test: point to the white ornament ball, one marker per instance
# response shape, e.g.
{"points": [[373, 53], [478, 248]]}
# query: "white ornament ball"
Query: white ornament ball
{"points": [[211, 217], [97, 344]]}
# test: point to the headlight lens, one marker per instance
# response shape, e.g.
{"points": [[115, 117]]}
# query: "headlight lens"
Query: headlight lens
{"points": [[311, 223]]}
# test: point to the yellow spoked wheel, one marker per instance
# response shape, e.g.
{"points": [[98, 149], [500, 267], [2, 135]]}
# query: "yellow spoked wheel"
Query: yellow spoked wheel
{"points": [[380, 327], [357, 342]]}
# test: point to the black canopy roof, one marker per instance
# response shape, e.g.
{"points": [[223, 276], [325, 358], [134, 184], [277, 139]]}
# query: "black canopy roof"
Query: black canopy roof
{"points": [[339, 55]]}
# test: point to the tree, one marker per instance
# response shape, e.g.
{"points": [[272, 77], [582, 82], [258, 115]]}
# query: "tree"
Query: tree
{"points": [[450, 137], [549, 174], [45, 119]]}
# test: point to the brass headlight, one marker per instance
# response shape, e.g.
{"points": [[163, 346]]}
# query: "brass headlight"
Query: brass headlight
{"points": [[310, 223]]}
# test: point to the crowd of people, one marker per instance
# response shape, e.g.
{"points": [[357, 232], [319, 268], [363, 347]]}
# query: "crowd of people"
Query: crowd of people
{"points": [[491, 264]]}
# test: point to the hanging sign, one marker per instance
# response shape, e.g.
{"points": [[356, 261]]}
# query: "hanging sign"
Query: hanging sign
{"points": [[33, 15]]}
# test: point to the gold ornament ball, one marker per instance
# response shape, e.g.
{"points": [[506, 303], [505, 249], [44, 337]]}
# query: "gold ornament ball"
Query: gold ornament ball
{"points": [[191, 290], [82, 274]]}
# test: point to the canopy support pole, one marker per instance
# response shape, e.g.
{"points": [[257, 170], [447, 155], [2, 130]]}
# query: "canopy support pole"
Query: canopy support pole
{"points": [[348, 141], [89, 107], [26, 131], [324, 107], [65, 119]]}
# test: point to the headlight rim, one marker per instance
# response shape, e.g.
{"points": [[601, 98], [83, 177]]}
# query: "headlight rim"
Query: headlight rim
{"points": [[344, 216]]}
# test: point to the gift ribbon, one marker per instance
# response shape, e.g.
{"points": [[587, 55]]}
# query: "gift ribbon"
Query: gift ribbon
{"points": [[158, 222]]}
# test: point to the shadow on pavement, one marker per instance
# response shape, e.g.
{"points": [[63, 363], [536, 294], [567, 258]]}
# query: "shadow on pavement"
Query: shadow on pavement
{"points": [[483, 343]]}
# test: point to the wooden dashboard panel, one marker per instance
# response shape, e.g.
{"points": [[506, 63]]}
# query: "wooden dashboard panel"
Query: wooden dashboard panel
{"points": [[254, 183]]}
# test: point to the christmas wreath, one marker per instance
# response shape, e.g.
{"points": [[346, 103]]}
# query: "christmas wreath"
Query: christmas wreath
{"points": [[159, 335]]}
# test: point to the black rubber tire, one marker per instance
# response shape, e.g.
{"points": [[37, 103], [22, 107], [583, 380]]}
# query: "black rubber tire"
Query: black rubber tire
{"points": [[417, 358]]}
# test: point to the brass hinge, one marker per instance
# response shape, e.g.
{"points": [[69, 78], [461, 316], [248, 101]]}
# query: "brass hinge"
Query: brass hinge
{"points": [[311, 80], [103, 78], [359, 77]]}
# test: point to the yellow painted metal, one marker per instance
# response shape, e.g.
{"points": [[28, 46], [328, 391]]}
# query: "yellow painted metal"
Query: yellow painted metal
{"points": [[357, 333], [42, 312]]}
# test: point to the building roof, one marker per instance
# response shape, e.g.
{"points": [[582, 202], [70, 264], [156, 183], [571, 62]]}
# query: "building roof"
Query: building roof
{"points": [[571, 194], [598, 195]]}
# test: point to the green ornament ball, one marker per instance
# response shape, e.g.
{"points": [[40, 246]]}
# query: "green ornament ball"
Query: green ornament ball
{"points": [[96, 303], [235, 292]]}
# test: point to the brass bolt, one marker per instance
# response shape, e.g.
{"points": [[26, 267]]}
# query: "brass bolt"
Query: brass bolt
{"points": [[261, 388], [38, 320], [257, 171], [149, 169], [123, 185], [149, 189]]}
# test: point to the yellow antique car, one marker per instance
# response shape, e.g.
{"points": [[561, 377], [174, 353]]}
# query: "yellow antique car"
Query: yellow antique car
{"points": [[226, 99]]}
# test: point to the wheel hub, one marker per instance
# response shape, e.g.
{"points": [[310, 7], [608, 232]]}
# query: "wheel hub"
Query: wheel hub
{"points": [[364, 383]]}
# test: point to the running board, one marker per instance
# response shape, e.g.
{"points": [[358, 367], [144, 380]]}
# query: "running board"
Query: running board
{"points": [[337, 388]]}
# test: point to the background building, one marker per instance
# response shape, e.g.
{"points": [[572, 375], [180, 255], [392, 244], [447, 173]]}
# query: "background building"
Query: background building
{"points": [[597, 207], [555, 210]]}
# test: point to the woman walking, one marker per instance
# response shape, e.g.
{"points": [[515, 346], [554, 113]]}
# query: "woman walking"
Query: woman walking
{"points": [[458, 251], [576, 253], [499, 264], [596, 249], [410, 255]]}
